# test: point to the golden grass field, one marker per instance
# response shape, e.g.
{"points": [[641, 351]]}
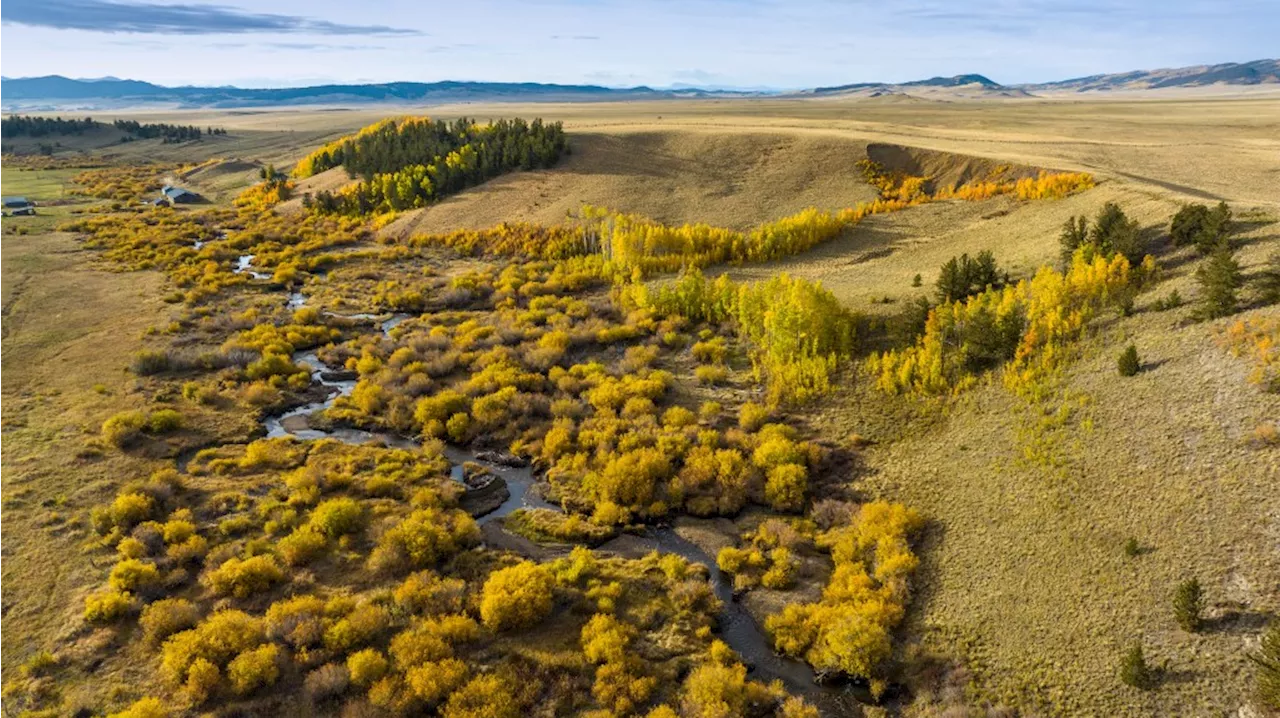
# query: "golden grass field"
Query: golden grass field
{"points": [[1024, 578], [69, 331]]}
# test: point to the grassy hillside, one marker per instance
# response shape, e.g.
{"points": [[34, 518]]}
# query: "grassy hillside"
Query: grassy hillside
{"points": [[880, 257], [727, 179], [1025, 569]]}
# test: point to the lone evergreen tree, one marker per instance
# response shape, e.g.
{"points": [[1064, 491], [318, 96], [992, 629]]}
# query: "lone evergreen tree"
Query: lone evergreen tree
{"points": [[1268, 660], [1269, 280], [1134, 670], [1128, 363], [1188, 603], [1186, 223], [1214, 229], [1110, 221], [1219, 279], [1074, 233], [951, 284]]}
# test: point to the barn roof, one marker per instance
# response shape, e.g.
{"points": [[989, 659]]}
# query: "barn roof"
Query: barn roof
{"points": [[175, 192]]}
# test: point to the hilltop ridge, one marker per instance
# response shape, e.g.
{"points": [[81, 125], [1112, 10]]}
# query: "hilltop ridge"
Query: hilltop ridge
{"points": [[1258, 72]]}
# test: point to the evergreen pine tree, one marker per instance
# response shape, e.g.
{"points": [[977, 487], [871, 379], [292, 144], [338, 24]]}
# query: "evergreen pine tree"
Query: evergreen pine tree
{"points": [[1219, 279], [1129, 364], [1074, 233], [1215, 229], [1134, 670], [951, 284], [1186, 223], [1188, 603], [1268, 660]]}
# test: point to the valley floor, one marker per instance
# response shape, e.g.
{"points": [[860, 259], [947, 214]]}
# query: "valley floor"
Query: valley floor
{"points": [[1025, 591], [70, 329]]}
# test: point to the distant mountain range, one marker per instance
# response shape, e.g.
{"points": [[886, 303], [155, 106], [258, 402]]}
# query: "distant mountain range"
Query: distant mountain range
{"points": [[58, 91], [957, 86], [55, 92], [1258, 72]]}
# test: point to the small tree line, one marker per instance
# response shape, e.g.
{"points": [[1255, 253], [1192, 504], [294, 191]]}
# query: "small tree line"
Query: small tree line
{"points": [[415, 161], [26, 126], [1208, 229], [165, 131], [21, 126]]}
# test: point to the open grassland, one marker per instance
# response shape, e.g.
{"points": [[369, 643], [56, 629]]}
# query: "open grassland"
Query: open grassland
{"points": [[37, 185], [69, 331], [1025, 578], [1196, 148], [872, 266]]}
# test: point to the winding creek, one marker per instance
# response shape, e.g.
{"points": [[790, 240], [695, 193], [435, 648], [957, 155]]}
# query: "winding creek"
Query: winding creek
{"points": [[736, 626]]}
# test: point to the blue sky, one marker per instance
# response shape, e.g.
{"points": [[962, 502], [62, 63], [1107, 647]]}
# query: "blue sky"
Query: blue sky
{"points": [[736, 43]]}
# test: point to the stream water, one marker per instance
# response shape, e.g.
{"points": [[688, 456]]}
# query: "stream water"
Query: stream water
{"points": [[737, 627], [244, 264]]}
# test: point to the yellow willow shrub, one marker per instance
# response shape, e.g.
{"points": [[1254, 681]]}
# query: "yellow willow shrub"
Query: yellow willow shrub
{"points": [[143, 708], [157, 237], [640, 243], [848, 630], [894, 186], [975, 191], [160, 237], [634, 241], [424, 538], [286, 339], [1030, 328], [121, 182], [264, 195], [518, 596], [1059, 307], [1050, 185], [511, 239], [218, 639], [1257, 339], [605, 639], [798, 329]]}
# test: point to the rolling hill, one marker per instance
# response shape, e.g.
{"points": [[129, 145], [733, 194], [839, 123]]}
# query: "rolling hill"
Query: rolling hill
{"points": [[958, 86], [1258, 72]]}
